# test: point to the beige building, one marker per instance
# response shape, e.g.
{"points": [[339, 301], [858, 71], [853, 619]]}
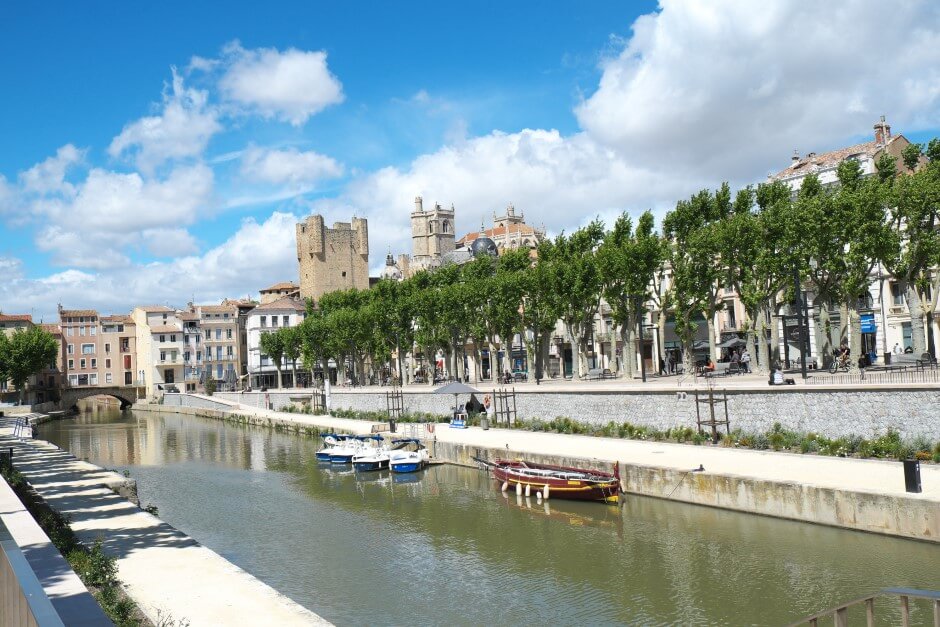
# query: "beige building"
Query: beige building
{"points": [[160, 347], [331, 259], [278, 291], [118, 362], [82, 344], [220, 333]]}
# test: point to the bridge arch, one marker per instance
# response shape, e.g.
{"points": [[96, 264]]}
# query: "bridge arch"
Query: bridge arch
{"points": [[71, 396]]}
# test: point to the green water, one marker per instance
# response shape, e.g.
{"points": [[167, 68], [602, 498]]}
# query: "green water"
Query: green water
{"points": [[445, 547]]}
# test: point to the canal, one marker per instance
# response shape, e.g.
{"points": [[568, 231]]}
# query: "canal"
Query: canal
{"points": [[446, 547]]}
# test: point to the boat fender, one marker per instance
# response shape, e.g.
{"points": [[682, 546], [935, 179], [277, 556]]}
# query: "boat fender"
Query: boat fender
{"points": [[545, 492], [538, 496], [505, 486], [528, 489], [519, 489]]}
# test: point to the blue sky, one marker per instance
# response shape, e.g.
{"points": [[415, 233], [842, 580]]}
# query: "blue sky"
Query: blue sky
{"points": [[158, 152]]}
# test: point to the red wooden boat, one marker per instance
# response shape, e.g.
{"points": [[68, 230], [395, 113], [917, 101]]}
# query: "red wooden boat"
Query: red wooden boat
{"points": [[562, 482]]}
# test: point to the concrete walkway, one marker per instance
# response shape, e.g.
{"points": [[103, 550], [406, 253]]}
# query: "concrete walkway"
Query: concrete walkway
{"points": [[168, 574]]}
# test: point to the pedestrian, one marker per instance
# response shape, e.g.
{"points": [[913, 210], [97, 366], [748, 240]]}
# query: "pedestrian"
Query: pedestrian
{"points": [[897, 350], [489, 407], [745, 361], [667, 364]]}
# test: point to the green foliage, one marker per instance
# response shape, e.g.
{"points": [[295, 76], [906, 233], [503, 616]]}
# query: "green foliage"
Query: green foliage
{"points": [[24, 353], [210, 386]]}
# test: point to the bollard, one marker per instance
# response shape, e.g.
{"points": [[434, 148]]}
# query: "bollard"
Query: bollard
{"points": [[912, 475]]}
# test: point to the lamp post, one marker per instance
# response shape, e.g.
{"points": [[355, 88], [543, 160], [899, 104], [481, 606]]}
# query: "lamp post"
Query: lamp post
{"points": [[799, 319], [639, 337]]}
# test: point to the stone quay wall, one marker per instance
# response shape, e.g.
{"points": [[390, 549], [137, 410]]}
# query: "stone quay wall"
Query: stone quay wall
{"points": [[834, 412]]}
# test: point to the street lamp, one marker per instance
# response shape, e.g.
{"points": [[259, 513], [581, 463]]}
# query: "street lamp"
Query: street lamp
{"points": [[639, 338], [799, 319]]}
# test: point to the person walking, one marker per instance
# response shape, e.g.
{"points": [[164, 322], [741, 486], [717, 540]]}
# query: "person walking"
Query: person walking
{"points": [[745, 361], [667, 363]]}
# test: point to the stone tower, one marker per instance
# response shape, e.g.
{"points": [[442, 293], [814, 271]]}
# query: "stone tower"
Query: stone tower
{"points": [[432, 235], [331, 259]]}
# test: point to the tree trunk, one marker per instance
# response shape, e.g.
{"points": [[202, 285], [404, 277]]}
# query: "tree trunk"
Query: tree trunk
{"points": [[628, 350], [918, 337], [578, 346], [823, 339], [768, 319], [765, 358], [294, 372], [712, 344], [278, 368], [855, 333]]}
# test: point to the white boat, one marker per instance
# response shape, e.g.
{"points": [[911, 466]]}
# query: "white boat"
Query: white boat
{"points": [[372, 458], [408, 455], [344, 453], [331, 441]]}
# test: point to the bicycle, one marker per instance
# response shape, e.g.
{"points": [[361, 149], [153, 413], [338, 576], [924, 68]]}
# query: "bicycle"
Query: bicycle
{"points": [[839, 362]]}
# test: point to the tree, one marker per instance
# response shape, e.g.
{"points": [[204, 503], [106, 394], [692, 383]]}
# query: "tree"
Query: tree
{"points": [[574, 277], [628, 261], [272, 345], [292, 340], [25, 353]]}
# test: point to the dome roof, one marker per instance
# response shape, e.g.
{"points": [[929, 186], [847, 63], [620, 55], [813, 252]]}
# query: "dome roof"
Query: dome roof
{"points": [[483, 246]]}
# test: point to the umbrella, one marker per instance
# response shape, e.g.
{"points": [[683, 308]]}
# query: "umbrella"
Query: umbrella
{"points": [[456, 388], [734, 342]]}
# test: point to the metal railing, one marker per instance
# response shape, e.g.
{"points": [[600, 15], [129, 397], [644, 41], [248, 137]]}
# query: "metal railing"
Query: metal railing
{"points": [[24, 600], [896, 375], [840, 613]]}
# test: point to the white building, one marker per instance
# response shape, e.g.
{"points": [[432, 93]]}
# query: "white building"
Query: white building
{"points": [[160, 347], [284, 312]]}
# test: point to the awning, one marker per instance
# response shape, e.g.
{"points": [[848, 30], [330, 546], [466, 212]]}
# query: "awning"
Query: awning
{"points": [[734, 342], [868, 323]]}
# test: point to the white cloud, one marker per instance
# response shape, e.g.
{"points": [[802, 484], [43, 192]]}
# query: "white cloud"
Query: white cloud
{"points": [[49, 175], [169, 242], [290, 166], [728, 89], [183, 128], [10, 268], [257, 255], [291, 85]]}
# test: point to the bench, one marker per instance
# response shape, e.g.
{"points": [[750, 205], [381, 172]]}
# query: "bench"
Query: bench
{"points": [[594, 374]]}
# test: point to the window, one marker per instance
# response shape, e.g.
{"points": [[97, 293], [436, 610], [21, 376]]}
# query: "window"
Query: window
{"points": [[107, 347], [907, 334], [230, 352], [264, 321], [107, 377], [218, 353], [81, 330], [83, 379], [128, 378], [186, 356], [286, 320], [162, 339], [71, 349], [218, 371], [73, 379], [81, 364], [208, 334], [107, 363], [125, 345], [70, 331], [265, 360], [228, 334], [88, 349], [344, 273], [120, 328], [92, 330], [127, 362], [274, 321], [445, 227], [173, 338], [225, 315], [94, 362], [164, 317], [218, 334], [198, 355], [162, 355], [71, 364], [92, 379], [897, 295]]}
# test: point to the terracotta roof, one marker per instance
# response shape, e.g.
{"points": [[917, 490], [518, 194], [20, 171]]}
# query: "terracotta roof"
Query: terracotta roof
{"points": [[165, 329], [122, 318], [16, 318], [217, 308], [288, 302], [499, 232], [284, 285], [831, 159], [51, 328], [154, 308], [77, 312], [188, 316]]}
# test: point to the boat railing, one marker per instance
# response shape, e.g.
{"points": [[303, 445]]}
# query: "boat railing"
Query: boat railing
{"points": [[840, 613]]}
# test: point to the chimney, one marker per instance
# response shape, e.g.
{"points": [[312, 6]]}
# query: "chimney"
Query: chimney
{"points": [[882, 132], [810, 155], [795, 158]]}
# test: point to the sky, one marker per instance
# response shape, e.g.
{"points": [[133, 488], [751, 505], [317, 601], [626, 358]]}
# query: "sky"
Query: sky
{"points": [[161, 153]]}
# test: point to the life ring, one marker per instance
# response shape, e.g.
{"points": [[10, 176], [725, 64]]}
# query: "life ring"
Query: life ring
{"points": [[430, 427]]}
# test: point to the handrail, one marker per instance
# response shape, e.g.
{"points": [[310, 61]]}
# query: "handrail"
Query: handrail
{"points": [[839, 613], [28, 590]]}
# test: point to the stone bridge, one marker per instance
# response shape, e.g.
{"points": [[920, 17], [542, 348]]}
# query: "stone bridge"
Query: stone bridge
{"points": [[126, 394]]}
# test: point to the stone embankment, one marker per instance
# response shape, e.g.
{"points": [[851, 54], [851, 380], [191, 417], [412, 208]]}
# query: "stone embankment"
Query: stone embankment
{"points": [[866, 495], [172, 578], [834, 411]]}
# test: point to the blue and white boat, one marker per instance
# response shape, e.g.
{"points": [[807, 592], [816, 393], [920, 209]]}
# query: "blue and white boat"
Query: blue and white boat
{"points": [[408, 455], [344, 453], [372, 458], [331, 441]]}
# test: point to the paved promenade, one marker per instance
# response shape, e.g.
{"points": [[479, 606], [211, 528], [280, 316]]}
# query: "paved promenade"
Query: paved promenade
{"points": [[167, 573]]}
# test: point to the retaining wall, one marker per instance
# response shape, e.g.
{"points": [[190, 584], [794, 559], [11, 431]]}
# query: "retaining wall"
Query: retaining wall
{"points": [[912, 411]]}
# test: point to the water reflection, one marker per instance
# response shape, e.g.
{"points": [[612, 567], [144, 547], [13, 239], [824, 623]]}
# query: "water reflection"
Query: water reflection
{"points": [[445, 546]]}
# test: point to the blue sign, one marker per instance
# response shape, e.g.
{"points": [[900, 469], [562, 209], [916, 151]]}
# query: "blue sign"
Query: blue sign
{"points": [[868, 323]]}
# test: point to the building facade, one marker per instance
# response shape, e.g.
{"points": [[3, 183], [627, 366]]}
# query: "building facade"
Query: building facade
{"points": [[331, 259], [278, 291], [432, 236], [160, 348], [509, 232], [267, 318]]}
